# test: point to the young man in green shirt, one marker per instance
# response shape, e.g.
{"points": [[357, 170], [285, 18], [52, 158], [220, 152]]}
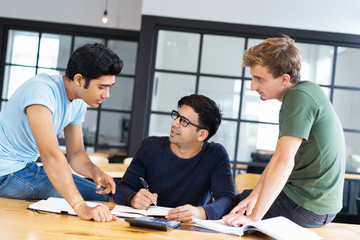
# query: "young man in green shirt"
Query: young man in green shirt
{"points": [[304, 179]]}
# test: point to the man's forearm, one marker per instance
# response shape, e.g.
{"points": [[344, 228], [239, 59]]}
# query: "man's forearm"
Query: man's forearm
{"points": [[82, 164], [61, 178], [274, 180]]}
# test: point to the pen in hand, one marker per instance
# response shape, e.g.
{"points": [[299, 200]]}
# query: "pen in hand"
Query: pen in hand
{"points": [[145, 185]]}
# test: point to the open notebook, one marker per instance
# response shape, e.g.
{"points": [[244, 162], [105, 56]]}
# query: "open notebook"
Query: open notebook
{"points": [[60, 205], [279, 228], [152, 211], [56, 205]]}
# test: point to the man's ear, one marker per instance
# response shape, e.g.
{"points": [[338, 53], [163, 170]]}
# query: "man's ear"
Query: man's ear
{"points": [[203, 134], [78, 79], [285, 79]]}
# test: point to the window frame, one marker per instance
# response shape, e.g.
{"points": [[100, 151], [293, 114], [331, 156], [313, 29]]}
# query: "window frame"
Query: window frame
{"points": [[147, 51], [7, 24]]}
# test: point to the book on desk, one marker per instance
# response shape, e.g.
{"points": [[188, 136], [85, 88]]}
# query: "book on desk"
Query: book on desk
{"points": [[279, 228], [56, 205], [61, 206], [152, 211]]}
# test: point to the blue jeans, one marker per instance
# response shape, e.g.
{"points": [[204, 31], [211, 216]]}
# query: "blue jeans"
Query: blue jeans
{"points": [[284, 206], [32, 182]]}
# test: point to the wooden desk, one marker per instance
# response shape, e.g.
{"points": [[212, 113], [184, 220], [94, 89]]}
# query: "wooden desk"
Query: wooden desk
{"points": [[16, 222], [351, 176], [114, 170], [246, 181]]}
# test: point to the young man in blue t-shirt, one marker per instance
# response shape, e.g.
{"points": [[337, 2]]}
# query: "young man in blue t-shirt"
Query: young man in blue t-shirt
{"points": [[33, 117]]}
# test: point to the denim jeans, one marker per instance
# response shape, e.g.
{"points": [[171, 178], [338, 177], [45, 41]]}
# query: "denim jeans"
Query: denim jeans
{"points": [[32, 182], [284, 206]]}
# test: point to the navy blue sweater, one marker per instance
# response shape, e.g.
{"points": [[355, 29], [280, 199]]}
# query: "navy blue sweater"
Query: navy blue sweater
{"points": [[179, 181]]}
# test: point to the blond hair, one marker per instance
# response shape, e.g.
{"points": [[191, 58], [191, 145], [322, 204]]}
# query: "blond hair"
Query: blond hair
{"points": [[278, 54]]}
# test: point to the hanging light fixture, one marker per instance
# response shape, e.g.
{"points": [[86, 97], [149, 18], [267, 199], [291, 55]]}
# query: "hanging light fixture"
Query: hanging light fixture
{"points": [[105, 17]]}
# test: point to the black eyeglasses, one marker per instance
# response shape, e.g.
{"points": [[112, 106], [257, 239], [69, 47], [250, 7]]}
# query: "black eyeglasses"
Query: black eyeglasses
{"points": [[183, 120]]}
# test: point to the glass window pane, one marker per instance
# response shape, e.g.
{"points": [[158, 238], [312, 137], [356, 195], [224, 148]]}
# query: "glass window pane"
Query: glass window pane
{"points": [[347, 67], [120, 94], [15, 76], [352, 152], [160, 125], [222, 55], [327, 91], [251, 42], [317, 61], [81, 41], [347, 108], [177, 51], [89, 126], [114, 129], [54, 50], [227, 96], [256, 137], [226, 135], [255, 109], [3, 104], [127, 51], [22, 47], [168, 88]]}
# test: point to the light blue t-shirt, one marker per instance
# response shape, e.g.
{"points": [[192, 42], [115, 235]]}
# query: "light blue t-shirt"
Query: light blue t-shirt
{"points": [[17, 143]]}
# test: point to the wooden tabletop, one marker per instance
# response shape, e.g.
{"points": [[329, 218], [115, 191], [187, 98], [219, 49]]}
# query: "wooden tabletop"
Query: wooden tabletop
{"points": [[115, 170], [352, 176], [16, 222]]}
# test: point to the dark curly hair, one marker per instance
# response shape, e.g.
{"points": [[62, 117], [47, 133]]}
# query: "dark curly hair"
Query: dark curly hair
{"points": [[93, 61], [208, 111]]}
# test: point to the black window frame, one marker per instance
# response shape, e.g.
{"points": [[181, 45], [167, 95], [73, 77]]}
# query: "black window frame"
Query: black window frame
{"points": [[147, 53], [72, 30]]}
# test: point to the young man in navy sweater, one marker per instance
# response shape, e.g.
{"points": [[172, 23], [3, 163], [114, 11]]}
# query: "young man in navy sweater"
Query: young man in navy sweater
{"points": [[184, 169]]}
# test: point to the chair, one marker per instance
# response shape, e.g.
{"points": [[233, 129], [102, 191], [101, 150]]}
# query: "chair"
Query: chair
{"points": [[98, 160], [128, 160], [246, 181]]}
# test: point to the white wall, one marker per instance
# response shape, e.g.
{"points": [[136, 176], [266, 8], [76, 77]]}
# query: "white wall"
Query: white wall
{"points": [[122, 14], [321, 15]]}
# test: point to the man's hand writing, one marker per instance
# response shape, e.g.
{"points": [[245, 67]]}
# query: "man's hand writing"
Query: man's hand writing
{"points": [[143, 199]]}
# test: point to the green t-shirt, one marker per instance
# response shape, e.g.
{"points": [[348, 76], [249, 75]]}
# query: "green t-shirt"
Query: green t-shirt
{"points": [[317, 180]]}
